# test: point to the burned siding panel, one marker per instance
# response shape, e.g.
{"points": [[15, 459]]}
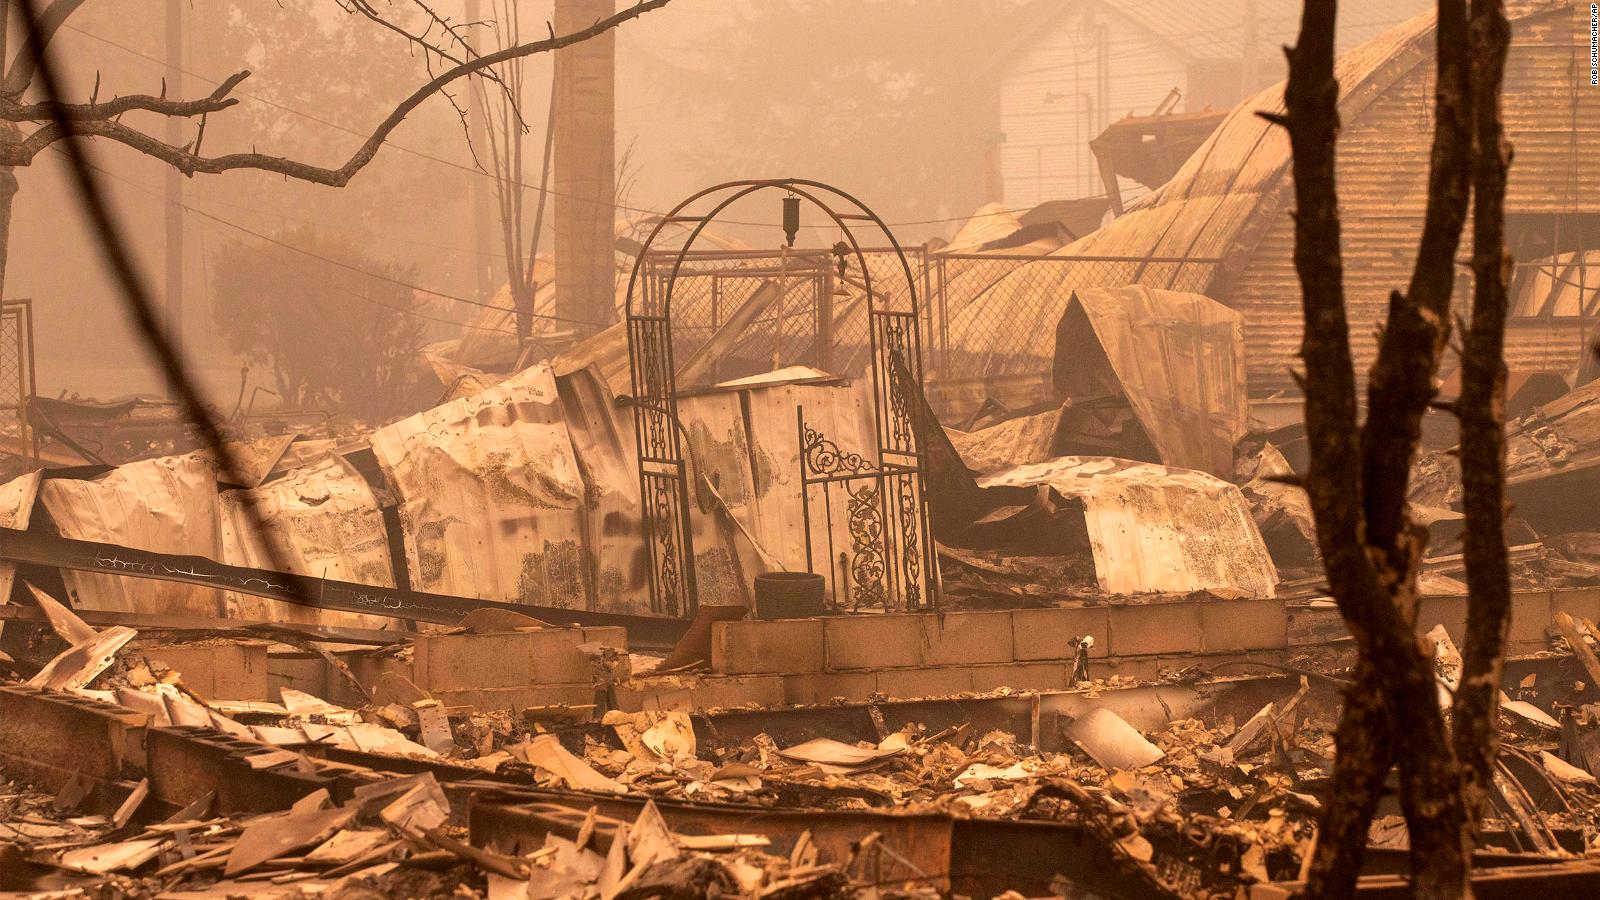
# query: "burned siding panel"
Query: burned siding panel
{"points": [[491, 495], [325, 521], [168, 505]]}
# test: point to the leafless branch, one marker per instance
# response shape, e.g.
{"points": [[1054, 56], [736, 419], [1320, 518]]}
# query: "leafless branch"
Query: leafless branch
{"points": [[50, 110], [191, 163]]}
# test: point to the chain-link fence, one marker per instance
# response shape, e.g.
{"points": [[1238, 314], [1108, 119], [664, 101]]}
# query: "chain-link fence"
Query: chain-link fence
{"points": [[983, 315], [737, 313], [16, 376], [994, 316]]}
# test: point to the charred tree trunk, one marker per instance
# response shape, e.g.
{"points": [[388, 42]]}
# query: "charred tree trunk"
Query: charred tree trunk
{"points": [[1365, 755], [1357, 481], [1481, 412]]}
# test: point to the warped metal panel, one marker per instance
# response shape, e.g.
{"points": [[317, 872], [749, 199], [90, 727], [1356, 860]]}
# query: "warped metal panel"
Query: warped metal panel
{"points": [[16, 509], [776, 514], [721, 483], [1158, 529], [168, 505], [602, 441], [1177, 358], [324, 519], [492, 497]]}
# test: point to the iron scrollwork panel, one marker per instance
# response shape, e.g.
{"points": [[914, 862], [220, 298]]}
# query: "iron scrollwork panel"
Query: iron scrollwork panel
{"points": [[663, 481], [884, 513], [897, 366]]}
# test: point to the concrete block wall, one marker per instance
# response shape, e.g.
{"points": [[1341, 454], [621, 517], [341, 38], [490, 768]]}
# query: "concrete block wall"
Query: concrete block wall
{"points": [[218, 670], [512, 669], [909, 656], [967, 639]]}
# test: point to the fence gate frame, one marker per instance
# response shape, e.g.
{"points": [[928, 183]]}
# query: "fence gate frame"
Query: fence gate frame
{"points": [[16, 369], [893, 543]]}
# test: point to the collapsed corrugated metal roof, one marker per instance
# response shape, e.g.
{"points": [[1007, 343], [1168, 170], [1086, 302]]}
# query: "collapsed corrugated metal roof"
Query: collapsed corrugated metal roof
{"points": [[1175, 360], [324, 521], [490, 494], [167, 504], [1230, 201], [1155, 528]]}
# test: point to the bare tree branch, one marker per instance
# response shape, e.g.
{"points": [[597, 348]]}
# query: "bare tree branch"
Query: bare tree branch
{"points": [[50, 110], [191, 163], [27, 62]]}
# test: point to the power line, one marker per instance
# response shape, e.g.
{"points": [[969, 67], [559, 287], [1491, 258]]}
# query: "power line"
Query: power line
{"points": [[375, 275], [481, 173]]}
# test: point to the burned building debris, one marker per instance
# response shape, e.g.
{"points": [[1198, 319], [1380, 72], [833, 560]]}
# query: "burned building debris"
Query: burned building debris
{"points": [[839, 569]]}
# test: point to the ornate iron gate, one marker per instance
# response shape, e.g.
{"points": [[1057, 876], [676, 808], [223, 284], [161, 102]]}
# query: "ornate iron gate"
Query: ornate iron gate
{"points": [[890, 560]]}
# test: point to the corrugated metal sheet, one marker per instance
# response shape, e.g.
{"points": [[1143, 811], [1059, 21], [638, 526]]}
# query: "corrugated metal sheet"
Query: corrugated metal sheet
{"points": [[491, 495], [168, 505], [1154, 528], [1177, 358], [16, 509], [1231, 197], [602, 443], [324, 520]]}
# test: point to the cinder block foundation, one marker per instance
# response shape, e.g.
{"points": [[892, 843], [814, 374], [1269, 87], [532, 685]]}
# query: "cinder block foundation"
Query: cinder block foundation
{"points": [[218, 670], [873, 642], [1244, 625], [1151, 628], [1038, 634], [966, 638], [767, 648]]}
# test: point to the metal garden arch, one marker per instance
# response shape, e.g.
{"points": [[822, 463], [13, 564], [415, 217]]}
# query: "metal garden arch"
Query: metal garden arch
{"points": [[890, 559]]}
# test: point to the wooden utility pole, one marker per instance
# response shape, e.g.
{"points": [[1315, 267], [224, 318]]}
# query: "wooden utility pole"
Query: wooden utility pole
{"points": [[585, 168], [174, 239]]}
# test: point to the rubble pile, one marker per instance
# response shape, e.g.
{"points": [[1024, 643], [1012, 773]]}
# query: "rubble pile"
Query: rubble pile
{"points": [[1200, 807]]}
